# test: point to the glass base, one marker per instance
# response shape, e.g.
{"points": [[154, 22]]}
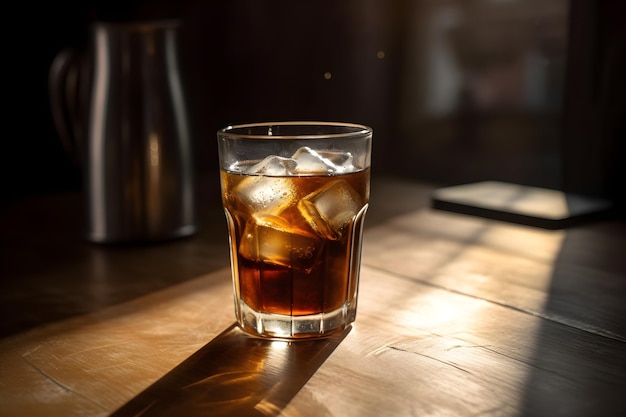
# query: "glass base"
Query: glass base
{"points": [[294, 327]]}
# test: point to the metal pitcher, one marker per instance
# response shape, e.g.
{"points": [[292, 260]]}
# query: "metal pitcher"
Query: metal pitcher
{"points": [[121, 108]]}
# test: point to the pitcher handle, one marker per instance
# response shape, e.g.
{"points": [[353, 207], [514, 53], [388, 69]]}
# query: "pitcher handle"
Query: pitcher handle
{"points": [[68, 84]]}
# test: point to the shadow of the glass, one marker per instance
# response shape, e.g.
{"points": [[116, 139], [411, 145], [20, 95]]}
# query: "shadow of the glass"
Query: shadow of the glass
{"points": [[235, 374]]}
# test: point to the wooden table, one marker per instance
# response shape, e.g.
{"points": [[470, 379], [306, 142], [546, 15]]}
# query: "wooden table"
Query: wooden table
{"points": [[458, 316]]}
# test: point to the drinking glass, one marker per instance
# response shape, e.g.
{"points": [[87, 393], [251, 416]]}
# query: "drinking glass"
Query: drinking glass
{"points": [[295, 196]]}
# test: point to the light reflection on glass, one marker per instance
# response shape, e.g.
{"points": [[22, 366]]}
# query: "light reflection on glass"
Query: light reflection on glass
{"points": [[154, 150], [154, 192]]}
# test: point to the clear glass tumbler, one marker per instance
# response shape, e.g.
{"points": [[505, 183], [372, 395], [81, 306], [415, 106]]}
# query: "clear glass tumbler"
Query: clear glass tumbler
{"points": [[295, 196]]}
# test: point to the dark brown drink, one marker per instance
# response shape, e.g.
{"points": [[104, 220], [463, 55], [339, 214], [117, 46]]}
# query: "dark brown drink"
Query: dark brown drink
{"points": [[295, 196], [293, 237]]}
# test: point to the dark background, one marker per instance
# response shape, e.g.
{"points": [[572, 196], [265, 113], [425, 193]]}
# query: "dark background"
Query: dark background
{"points": [[527, 91]]}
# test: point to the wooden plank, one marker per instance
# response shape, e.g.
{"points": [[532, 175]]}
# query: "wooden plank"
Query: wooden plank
{"points": [[49, 272], [103, 359], [512, 265], [415, 349], [419, 350], [457, 316]]}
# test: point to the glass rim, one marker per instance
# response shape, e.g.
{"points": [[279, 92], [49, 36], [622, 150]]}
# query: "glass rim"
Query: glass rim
{"points": [[359, 130]]}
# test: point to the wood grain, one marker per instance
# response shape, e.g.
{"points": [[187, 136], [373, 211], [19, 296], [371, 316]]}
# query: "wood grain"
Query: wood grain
{"points": [[458, 316]]}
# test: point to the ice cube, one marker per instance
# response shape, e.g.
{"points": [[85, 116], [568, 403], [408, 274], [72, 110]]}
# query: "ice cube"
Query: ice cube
{"points": [[331, 208], [309, 161], [273, 166], [343, 161], [266, 195], [273, 240]]}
